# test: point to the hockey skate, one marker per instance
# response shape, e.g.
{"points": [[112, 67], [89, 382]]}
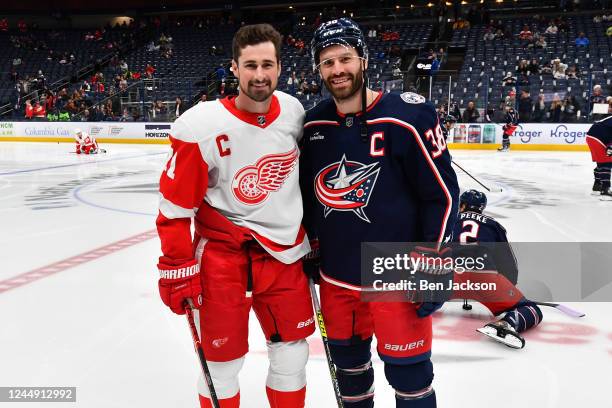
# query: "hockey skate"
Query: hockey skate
{"points": [[596, 188], [504, 148], [502, 332], [606, 195]]}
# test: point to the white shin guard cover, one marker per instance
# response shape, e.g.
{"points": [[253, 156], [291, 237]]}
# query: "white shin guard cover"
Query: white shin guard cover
{"points": [[287, 370], [224, 376]]}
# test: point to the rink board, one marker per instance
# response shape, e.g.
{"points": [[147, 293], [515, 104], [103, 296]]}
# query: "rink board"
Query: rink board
{"points": [[481, 136]]}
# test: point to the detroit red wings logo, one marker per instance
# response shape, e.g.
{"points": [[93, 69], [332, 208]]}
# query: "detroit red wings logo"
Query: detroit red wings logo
{"points": [[252, 184], [346, 186]]}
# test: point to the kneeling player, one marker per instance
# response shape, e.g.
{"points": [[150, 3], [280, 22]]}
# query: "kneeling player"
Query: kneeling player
{"points": [[85, 143], [599, 139], [520, 313], [512, 121]]}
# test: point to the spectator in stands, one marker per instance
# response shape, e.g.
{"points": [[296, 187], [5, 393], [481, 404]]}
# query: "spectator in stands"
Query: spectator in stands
{"points": [[461, 24], [525, 34], [555, 109], [572, 72], [489, 35], [525, 106], [179, 107], [558, 69], [539, 42], [609, 31], [552, 29], [522, 68], [203, 97], [509, 80], [539, 109], [4, 26], [149, 71], [29, 109], [534, 67], [455, 111], [570, 109], [470, 114], [220, 72], [123, 66], [123, 83], [582, 40], [126, 116], [597, 95], [39, 111], [22, 26], [292, 83]]}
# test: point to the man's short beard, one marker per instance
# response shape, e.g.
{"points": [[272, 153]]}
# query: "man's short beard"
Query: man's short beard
{"points": [[357, 84], [257, 97]]}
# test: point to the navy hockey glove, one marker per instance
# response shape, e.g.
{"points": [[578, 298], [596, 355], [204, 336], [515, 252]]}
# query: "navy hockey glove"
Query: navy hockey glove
{"points": [[427, 308], [312, 262], [434, 267]]}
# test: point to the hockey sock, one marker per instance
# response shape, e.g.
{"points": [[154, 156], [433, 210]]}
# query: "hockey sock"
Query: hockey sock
{"points": [[286, 399], [603, 172], [412, 384], [355, 373], [524, 317], [233, 402]]}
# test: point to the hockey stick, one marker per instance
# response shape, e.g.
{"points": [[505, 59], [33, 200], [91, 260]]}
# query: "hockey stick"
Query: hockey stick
{"points": [[200, 351], [562, 308], [491, 190], [323, 331]]}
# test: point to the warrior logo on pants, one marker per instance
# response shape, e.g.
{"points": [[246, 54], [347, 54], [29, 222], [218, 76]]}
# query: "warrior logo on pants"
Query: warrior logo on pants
{"points": [[252, 184]]}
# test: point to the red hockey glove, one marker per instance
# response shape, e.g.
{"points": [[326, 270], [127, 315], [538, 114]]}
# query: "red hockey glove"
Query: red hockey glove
{"points": [[179, 283]]}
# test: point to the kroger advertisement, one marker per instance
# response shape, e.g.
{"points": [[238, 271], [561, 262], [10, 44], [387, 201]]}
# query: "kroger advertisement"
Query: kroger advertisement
{"points": [[525, 134]]}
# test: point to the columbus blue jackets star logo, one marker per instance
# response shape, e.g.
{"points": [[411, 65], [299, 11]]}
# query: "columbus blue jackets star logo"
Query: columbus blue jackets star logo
{"points": [[346, 186]]}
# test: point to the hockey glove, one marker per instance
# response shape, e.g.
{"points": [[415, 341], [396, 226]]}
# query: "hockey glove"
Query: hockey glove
{"points": [[178, 284], [609, 150], [312, 262], [431, 266]]}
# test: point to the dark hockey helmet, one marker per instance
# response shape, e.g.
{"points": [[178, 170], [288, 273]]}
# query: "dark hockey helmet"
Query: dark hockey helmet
{"points": [[342, 31], [450, 119], [474, 200]]}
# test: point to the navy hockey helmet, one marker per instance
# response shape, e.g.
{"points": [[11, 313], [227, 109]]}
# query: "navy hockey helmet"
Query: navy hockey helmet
{"points": [[450, 118], [474, 200], [342, 31]]}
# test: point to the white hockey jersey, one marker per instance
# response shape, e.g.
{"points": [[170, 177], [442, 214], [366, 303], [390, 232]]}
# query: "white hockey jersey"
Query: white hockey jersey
{"points": [[244, 165]]}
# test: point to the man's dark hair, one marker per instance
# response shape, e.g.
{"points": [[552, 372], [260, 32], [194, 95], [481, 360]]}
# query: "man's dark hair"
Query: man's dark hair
{"points": [[253, 35]]}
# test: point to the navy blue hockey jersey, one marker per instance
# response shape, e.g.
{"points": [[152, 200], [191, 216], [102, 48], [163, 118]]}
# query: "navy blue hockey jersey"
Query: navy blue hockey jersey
{"points": [[602, 130], [396, 185], [472, 227]]}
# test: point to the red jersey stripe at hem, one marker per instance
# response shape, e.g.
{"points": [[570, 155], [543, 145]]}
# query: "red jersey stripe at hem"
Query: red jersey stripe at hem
{"points": [[279, 247], [345, 285], [432, 166]]}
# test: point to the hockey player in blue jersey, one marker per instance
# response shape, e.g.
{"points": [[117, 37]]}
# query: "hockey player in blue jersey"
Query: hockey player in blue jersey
{"points": [[374, 167], [520, 314], [599, 140], [448, 123]]}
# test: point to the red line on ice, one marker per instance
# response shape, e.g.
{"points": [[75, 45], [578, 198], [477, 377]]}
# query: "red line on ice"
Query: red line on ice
{"points": [[59, 266]]}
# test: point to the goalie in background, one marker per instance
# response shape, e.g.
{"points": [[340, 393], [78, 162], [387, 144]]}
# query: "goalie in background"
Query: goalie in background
{"points": [[85, 143]]}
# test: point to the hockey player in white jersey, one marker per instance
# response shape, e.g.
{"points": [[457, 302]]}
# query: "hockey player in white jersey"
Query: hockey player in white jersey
{"points": [[85, 143], [234, 170]]}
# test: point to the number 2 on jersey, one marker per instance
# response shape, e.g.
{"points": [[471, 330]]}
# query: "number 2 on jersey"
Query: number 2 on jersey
{"points": [[472, 232]]}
